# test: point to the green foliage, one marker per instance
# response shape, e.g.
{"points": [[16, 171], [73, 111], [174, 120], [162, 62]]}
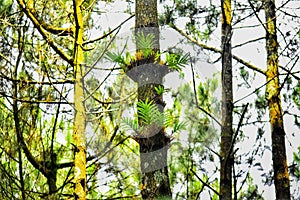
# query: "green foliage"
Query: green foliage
{"points": [[69, 135], [115, 57], [252, 191], [145, 43], [176, 61], [173, 121], [205, 91], [178, 126], [40, 63], [244, 74], [129, 124], [149, 113], [5, 6], [163, 198], [261, 104], [190, 152], [159, 89], [201, 20], [295, 168], [296, 95]]}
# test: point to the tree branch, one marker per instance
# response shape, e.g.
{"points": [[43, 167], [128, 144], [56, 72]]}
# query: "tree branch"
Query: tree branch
{"points": [[215, 50], [196, 99], [110, 32], [204, 183], [28, 11], [51, 29], [32, 101], [249, 41], [28, 82], [239, 126], [102, 153]]}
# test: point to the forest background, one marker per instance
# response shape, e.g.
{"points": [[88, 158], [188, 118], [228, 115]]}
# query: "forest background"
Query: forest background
{"points": [[74, 119]]}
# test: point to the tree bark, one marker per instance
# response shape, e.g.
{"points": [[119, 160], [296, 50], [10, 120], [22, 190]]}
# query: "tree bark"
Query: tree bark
{"points": [[153, 144], [16, 114], [281, 174], [227, 105], [79, 121]]}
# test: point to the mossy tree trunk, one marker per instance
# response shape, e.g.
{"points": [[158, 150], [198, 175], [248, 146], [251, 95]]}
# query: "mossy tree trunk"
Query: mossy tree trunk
{"points": [[153, 142], [227, 105], [49, 166], [281, 174], [79, 121]]}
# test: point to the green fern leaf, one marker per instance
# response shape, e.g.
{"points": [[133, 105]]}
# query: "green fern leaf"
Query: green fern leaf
{"points": [[130, 125], [148, 112], [179, 126], [176, 61], [159, 89], [145, 43], [116, 57]]}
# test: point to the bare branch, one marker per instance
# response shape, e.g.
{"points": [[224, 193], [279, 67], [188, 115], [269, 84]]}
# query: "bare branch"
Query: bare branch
{"points": [[204, 183], [27, 82], [254, 11], [288, 74], [213, 49], [249, 41], [239, 126], [196, 98], [32, 101], [109, 33]]}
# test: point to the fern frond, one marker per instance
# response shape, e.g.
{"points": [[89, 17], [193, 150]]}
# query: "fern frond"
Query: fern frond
{"points": [[145, 43], [116, 57], [178, 126], [168, 119], [157, 57], [173, 121], [130, 125], [159, 89], [149, 113], [176, 61]]}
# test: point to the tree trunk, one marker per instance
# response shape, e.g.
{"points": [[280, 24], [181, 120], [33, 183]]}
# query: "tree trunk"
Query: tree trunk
{"points": [[227, 105], [281, 174], [16, 116], [79, 121], [153, 144], [51, 164]]}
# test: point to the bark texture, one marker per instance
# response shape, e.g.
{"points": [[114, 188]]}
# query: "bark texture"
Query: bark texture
{"points": [[281, 174], [153, 141], [79, 123], [227, 105]]}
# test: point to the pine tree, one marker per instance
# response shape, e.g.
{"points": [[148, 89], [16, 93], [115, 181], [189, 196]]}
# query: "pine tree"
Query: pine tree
{"points": [[226, 155], [281, 174]]}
